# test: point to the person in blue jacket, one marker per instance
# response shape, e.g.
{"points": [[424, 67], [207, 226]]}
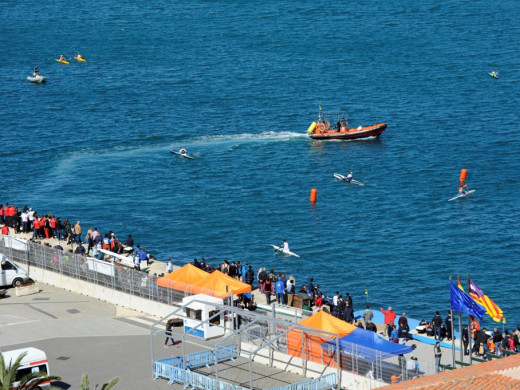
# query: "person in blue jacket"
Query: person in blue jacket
{"points": [[280, 291]]}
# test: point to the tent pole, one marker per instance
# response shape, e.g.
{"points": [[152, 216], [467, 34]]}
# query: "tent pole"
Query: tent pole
{"points": [[338, 374]]}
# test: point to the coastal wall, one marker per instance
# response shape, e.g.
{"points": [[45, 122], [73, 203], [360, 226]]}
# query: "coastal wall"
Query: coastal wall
{"points": [[102, 293]]}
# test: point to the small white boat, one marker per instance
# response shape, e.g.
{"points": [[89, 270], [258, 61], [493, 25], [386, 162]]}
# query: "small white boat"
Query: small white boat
{"points": [[463, 195], [36, 79], [344, 178], [185, 155], [285, 252]]}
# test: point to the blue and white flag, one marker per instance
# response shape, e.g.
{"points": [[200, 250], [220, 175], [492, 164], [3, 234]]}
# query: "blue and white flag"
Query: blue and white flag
{"points": [[460, 301]]}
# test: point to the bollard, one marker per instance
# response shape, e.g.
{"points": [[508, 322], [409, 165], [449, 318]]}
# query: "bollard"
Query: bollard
{"points": [[314, 192]]}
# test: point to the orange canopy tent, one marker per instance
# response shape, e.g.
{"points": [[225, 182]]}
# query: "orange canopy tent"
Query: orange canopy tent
{"points": [[313, 341], [219, 285], [182, 278]]}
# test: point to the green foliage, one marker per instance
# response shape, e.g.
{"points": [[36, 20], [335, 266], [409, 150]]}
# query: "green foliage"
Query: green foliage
{"points": [[30, 381], [85, 383]]}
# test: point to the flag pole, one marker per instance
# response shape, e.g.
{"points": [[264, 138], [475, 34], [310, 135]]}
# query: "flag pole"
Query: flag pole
{"points": [[470, 334], [460, 328], [460, 335], [451, 326]]}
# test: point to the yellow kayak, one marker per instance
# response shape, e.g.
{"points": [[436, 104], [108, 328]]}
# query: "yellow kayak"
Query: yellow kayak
{"points": [[62, 62], [80, 59]]}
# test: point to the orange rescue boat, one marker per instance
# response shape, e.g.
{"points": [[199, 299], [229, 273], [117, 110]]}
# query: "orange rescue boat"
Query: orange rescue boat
{"points": [[321, 130]]}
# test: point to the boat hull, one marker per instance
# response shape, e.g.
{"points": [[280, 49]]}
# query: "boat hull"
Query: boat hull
{"points": [[364, 132], [36, 79]]}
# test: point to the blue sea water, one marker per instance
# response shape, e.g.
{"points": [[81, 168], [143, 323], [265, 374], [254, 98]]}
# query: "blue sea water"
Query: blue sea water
{"points": [[237, 84]]}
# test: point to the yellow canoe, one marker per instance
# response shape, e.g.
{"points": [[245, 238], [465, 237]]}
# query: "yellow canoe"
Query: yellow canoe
{"points": [[80, 59]]}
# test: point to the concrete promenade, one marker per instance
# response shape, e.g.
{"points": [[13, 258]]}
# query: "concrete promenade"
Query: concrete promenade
{"points": [[85, 335]]}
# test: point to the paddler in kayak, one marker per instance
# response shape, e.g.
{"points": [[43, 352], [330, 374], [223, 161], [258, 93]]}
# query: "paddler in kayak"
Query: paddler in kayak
{"points": [[36, 72], [183, 151], [62, 58], [349, 177], [285, 246], [493, 73], [79, 57]]}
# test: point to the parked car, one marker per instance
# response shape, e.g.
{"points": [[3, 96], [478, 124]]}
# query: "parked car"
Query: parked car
{"points": [[12, 275]]}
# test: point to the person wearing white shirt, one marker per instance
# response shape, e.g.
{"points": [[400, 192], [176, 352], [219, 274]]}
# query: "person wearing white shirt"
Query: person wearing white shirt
{"points": [[335, 299], [25, 220]]}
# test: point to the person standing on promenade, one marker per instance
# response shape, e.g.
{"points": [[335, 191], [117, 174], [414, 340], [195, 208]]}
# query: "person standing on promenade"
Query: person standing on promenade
{"points": [[35, 227], [169, 267], [77, 231], [349, 312], [129, 241], [169, 326], [465, 339], [437, 325], [5, 230], [268, 290], [447, 322], [25, 221], [12, 211], [389, 320], [250, 276], [403, 328], [341, 307], [261, 277], [30, 214], [437, 353], [310, 289], [335, 299], [367, 315], [272, 276], [348, 299], [280, 291], [497, 340]]}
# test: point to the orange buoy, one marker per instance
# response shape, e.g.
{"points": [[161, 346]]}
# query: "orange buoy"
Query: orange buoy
{"points": [[314, 192], [462, 178]]}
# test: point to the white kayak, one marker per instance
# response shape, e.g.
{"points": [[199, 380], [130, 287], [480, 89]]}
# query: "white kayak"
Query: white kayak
{"points": [[36, 79], [344, 178], [185, 155], [463, 195], [280, 249]]}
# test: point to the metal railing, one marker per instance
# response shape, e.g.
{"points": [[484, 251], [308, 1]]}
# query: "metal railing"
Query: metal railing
{"points": [[99, 272], [328, 381]]}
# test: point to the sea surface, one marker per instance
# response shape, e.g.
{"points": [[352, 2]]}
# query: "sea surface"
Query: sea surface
{"points": [[237, 83]]}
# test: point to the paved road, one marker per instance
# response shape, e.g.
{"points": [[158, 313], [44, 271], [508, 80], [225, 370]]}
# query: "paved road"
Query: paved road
{"points": [[84, 335]]}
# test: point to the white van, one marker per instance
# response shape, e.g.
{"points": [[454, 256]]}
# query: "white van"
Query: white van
{"points": [[11, 273], [35, 361]]}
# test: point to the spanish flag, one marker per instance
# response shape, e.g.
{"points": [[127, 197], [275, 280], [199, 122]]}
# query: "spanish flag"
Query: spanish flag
{"points": [[476, 293]]}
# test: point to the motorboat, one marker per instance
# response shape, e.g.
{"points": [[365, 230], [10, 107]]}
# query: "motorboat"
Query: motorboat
{"points": [[322, 130], [36, 79]]}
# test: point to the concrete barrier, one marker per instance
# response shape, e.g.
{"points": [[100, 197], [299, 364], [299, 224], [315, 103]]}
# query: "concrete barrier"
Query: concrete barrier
{"points": [[102, 293]]}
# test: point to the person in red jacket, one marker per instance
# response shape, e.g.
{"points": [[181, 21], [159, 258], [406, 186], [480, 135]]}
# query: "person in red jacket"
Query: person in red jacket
{"points": [[5, 230], [12, 211], [6, 214], [36, 227], [1, 214], [389, 320], [52, 222]]}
